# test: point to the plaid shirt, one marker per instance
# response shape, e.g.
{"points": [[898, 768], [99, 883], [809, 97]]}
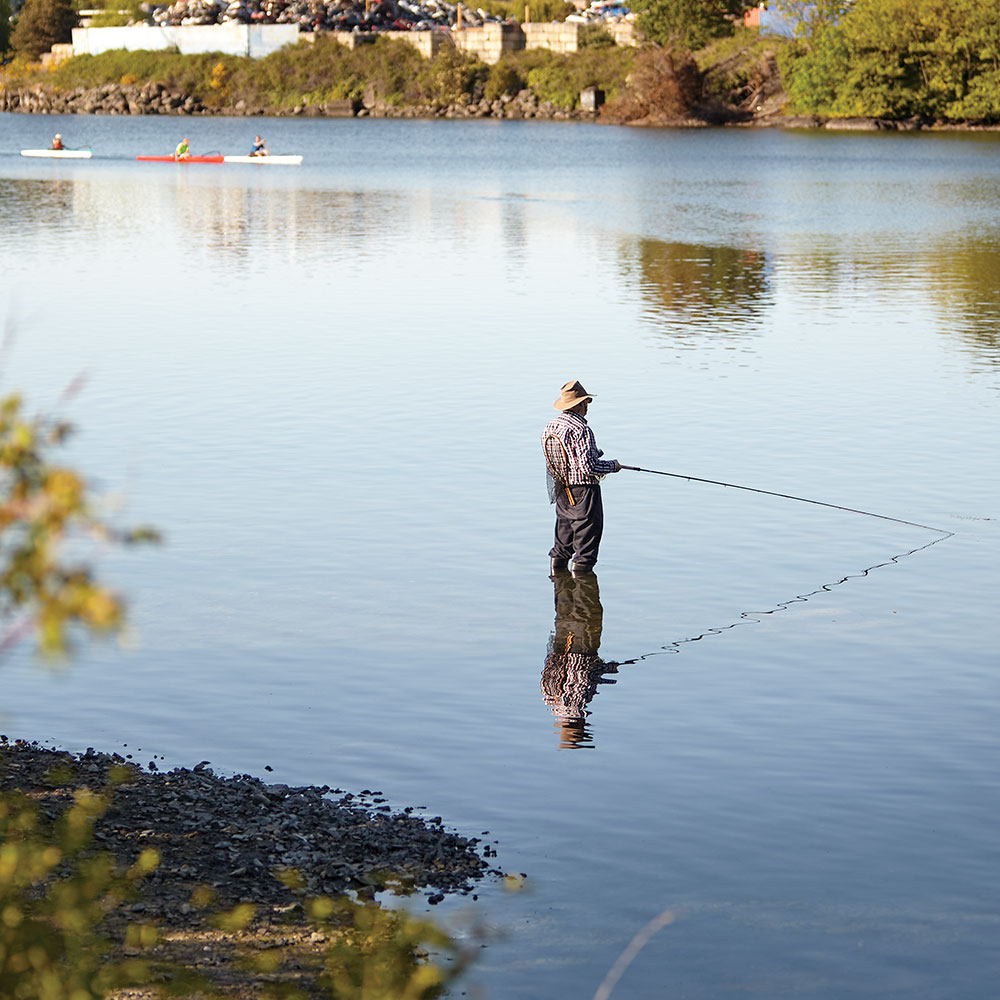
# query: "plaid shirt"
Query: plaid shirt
{"points": [[585, 463]]}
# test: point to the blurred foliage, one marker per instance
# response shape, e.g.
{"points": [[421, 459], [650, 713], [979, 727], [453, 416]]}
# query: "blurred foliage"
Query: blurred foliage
{"points": [[897, 59], [690, 24], [56, 895], [53, 899], [379, 954], [43, 507], [42, 24]]}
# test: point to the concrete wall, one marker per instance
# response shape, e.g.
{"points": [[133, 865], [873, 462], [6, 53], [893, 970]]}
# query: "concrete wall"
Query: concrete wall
{"points": [[559, 36], [624, 33], [349, 39], [489, 41], [255, 40], [59, 53], [428, 43]]}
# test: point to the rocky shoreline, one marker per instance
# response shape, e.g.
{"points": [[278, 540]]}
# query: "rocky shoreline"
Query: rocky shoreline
{"points": [[233, 834], [157, 99], [223, 842]]}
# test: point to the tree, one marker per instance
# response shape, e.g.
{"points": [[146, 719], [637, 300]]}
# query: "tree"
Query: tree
{"points": [[689, 23], [901, 58], [42, 24], [5, 13], [811, 15]]}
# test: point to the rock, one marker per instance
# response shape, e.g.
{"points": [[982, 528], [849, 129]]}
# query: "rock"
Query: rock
{"points": [[853, 124], [235, 833]]}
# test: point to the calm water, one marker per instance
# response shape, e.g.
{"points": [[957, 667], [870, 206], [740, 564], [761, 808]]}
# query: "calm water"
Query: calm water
{"points": [[326, 386]]}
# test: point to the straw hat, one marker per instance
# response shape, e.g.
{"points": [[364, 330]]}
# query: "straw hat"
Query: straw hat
{"points": [[571, 394]]}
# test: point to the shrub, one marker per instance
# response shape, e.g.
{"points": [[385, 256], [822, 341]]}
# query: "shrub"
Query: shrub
{"points": [[449, 78], [595, 36], [503, 79], [664, 86], [733, 64], [560, 78]]}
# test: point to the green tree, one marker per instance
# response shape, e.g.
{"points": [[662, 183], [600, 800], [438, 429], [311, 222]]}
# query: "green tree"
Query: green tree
{"points": [[901, 58], [811, 15], [690, 23], [5, 14], [42, 24]]}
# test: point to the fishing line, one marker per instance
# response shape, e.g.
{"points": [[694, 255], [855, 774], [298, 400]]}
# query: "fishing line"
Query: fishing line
{"points": [[788, 496], [754, 617]]}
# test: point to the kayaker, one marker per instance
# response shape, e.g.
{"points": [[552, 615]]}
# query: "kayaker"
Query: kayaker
{"points": [[580, 521], [57, 142], [183, 150], [259, 147]]}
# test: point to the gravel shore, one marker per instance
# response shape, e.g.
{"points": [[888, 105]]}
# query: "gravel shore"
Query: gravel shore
{"points": [[232, 835]]}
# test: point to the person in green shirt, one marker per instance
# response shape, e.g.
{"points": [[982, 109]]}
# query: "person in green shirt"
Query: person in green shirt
{"points": [[182, 152]]}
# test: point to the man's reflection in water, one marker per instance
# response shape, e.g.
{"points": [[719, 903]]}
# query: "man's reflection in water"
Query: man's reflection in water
{"points": [[572, 668]]}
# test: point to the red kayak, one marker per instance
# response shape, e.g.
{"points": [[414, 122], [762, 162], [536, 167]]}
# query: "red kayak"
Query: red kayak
{"points": [[217, 158]]}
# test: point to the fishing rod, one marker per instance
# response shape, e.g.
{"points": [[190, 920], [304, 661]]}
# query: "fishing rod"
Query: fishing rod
{"points": [[788, 496]]}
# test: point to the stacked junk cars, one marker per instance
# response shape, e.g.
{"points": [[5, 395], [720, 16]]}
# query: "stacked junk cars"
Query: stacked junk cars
{"points": [[347, 15], [322, 15]]}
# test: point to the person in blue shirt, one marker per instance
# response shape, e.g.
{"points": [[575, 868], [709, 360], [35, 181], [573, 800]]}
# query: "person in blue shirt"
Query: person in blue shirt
{"points": [[259, 147]]}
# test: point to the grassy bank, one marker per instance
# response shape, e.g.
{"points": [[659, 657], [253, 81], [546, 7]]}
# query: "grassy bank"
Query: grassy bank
{"points": [[388, 72]]}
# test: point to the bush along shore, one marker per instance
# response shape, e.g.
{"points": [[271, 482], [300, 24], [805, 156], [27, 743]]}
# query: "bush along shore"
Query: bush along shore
{"points": [[234, 878], [233, 834], [736, 80], [386, 79]]}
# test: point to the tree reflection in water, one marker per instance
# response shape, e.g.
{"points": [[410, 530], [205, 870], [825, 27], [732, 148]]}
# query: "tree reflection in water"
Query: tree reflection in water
{"points": [[691, 289], [573, 669]]}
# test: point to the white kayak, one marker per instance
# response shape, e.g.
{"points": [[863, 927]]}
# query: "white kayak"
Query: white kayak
{"points": [[275, 160], [62, 154]]}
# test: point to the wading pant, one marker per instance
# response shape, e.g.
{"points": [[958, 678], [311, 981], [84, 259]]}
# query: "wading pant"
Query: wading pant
{"points": [[578, 527]]}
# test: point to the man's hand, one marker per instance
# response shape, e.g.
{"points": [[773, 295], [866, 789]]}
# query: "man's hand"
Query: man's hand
{"points": [[618, 465]]}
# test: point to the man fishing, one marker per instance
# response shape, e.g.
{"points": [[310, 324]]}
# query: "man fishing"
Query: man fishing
{"points": [[575, 468]]}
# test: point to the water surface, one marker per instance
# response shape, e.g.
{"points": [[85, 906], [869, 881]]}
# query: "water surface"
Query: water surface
{"points": [[326, 385]]}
